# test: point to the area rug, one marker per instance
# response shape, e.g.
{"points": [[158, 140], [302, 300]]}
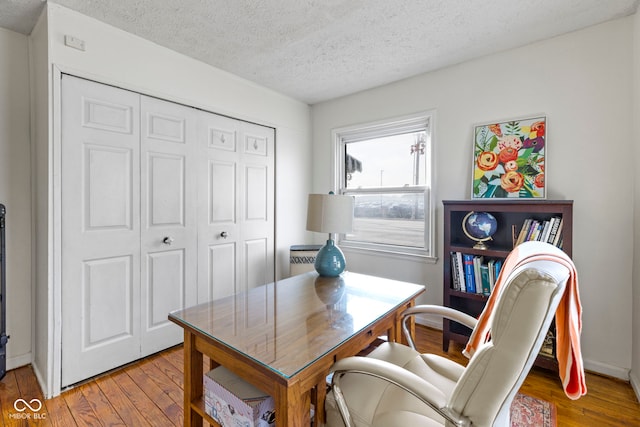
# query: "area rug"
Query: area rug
{"points": [[527, 411]]}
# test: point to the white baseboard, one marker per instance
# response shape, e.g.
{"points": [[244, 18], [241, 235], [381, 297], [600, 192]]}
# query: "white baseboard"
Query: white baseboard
{"points": [[18, 361], [635, 383], [429, 321], [604, 369], [42, 382]]}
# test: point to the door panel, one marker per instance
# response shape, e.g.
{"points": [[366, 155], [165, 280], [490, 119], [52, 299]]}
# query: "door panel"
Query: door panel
{"points": [[107, 289], [167, 185], [168, 219], [257, 258], [108, 187], [100, 114], [100, 228], [221, 192], [256, 194], [167, 287], [221, 271]]}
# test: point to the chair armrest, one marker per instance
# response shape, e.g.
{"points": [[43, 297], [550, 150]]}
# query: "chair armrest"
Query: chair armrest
{"points": [[437, 310], [386, 371]]}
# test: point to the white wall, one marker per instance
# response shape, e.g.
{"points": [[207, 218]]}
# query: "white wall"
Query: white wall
{"points": [[635, 362], [583, 82], [44, 324], [122, 59], [15, 192]]}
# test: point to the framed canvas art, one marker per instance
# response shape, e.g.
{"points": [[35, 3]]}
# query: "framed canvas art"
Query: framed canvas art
{"points": [[509, 159]]}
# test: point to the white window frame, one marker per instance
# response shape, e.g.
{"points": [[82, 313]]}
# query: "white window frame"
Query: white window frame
{"points": [[410, 123]]}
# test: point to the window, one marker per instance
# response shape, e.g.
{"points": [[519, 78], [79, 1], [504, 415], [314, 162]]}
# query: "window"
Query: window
{"points": [[386, 167]]}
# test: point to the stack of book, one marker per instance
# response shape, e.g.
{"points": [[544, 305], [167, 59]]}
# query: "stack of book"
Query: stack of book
{"points": [[549, 231], [472, 274]]}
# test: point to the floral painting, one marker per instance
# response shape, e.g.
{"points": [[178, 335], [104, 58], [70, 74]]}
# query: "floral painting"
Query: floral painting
{"points": [[508, 159]]}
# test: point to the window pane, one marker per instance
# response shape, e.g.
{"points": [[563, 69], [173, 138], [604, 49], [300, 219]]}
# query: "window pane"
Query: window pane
{"points": [[394, 161], [389, 219]]}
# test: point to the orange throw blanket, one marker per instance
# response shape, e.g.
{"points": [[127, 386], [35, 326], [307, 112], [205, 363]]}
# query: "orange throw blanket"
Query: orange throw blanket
{"points": [[568, 317]]}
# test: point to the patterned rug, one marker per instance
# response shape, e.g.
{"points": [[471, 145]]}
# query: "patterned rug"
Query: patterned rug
{"points": [[527, 411]]}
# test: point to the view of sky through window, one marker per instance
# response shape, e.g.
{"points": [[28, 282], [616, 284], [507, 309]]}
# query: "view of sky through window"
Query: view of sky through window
{"points": [[393, 161]]}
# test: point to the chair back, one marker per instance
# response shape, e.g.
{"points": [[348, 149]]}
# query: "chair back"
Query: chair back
{"points": [[519, 323]]}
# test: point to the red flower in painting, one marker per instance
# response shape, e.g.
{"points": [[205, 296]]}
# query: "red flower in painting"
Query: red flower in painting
{"points": [[539, 128], [538, 181], [496, 130], [507, 154]]}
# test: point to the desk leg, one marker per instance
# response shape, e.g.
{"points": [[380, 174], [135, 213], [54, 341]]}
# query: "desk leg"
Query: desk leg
{"points": [[292, 406], [320, 395], [395, 334], [193, 387]]}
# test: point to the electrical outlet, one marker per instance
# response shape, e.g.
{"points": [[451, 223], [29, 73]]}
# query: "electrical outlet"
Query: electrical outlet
{"points": [[74, 42]]}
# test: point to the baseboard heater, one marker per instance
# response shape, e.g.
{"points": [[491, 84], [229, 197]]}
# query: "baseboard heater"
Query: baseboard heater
{"points": [[3, 291]]}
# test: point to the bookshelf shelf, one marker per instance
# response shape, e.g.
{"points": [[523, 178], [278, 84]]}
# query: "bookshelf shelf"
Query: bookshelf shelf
{"points": [[510, 215]]}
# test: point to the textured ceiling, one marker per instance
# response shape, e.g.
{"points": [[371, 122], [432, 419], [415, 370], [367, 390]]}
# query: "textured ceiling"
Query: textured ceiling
{"points": [[314, 50]]}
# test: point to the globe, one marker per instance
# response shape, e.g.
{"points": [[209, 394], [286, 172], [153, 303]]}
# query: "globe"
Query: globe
{"points": [[479, 227]]}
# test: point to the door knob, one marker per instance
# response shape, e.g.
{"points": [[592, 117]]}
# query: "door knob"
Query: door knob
{"points": [[167, 240], [224, 235]]}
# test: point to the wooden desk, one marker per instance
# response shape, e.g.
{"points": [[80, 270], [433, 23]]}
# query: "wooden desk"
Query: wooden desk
{"points": [[283, 337]]}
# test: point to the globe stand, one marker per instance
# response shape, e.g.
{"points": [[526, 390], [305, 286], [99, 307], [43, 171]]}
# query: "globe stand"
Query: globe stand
{"points": [[480, 244], [480, 241]]}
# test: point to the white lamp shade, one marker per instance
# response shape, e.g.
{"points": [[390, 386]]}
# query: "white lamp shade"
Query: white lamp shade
{"points": [[330, 213]]}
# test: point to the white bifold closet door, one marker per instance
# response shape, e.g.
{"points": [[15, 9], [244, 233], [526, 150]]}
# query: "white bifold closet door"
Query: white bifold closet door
{"points": [[162, 206], [129, 229], [235, 219], [168, 225]]}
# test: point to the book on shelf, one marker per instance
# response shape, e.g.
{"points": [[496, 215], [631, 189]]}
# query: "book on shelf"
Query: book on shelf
{"points": [[486, 282], [471, 274], [477, 262], [557, 240], [455, 280], [494, 267], [497, 267], [523, 231], [460, 266], [549, 231]]}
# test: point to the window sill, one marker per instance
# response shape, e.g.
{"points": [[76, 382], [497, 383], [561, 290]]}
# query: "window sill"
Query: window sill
{"points": [[394, 254]]}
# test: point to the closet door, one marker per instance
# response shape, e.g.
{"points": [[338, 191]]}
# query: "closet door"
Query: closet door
{"points": [[236, 206], [168, 219], [218, 231], [257, 204], [100, 228]]}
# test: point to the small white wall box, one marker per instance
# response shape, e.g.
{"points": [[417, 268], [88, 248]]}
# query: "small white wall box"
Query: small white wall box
{"points": [[231, 401], [302, 258]]}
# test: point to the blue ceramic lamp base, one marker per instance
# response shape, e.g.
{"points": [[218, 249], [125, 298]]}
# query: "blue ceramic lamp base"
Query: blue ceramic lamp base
{"points": [[330, 260]]}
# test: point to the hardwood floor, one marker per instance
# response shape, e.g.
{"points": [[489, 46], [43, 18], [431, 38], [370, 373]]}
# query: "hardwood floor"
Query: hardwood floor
{"points": [[149, 393]]}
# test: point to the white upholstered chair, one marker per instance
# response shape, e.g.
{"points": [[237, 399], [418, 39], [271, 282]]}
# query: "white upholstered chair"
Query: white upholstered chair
{"points": [[395, 385]]}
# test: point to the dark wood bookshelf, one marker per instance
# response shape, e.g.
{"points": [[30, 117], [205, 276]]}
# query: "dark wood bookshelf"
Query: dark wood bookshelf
{"points": [[510, 215]]}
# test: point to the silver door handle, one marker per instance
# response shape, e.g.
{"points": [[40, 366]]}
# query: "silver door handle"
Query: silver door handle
{"points": [[224, 235], [167, 240]]}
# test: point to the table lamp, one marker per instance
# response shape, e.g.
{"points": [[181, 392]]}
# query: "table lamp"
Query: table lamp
{"points": [[330, 213]]}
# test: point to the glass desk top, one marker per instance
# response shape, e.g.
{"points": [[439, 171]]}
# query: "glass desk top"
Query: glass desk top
{"points": [[288, 324]]}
